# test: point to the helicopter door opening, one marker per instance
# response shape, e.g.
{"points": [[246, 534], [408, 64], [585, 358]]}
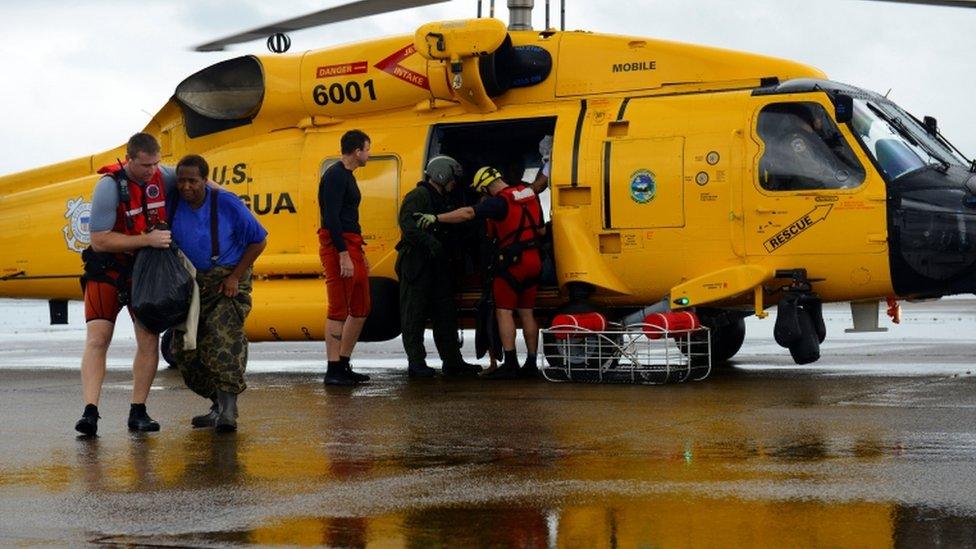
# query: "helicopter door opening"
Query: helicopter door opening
{"points": [[512, 147]]}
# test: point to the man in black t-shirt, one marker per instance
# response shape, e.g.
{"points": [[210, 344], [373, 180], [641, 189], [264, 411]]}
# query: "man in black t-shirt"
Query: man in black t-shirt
{"points": [[345, 264]]}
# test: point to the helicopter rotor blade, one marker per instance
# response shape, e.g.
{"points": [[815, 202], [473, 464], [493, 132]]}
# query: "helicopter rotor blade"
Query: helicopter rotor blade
{"points": [[947, 3], [345, 12]]}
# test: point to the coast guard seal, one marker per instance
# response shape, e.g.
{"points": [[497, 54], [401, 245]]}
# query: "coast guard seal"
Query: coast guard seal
{"points": [[76, 232]]}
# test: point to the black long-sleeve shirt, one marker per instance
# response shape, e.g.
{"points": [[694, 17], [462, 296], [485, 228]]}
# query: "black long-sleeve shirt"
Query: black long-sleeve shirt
{"points": [[339, 199]]}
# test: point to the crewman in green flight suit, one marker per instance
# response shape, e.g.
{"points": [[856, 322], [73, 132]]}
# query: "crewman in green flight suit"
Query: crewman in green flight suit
{"points": [[424, 269]]}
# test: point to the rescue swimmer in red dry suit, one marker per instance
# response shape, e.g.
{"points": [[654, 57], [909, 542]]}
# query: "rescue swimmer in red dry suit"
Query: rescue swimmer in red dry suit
{"points": [[515, 226]]}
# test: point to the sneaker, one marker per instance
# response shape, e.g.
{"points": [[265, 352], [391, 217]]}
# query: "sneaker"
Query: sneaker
{"points": [[88, 424], [340, 378], [139, 420], [359, 378], [336, 375]]}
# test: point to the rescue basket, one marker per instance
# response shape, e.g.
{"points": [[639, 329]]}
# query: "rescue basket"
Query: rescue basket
{"points": [[651, 352]]}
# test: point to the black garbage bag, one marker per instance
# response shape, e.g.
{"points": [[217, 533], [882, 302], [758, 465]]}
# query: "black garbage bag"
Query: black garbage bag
{"points": [[486, 336], [161, 289]]}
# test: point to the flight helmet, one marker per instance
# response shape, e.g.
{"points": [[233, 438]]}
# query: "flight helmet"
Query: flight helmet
{"points": [[442, 169], [484, 177]]}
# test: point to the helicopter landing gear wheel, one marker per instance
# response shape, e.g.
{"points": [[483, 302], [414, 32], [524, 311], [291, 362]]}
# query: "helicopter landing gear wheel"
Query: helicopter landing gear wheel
{"points": [[165, 343], [806, 349], [799, 319], [727, 332], [727, 340]]}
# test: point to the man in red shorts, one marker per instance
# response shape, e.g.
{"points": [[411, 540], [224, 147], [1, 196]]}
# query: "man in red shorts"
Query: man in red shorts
{"points": [[514, 217], [128, 201], [345, 264]]}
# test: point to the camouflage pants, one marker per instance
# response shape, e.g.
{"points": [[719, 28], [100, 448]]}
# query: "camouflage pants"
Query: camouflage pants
{"points": [[221, 355]]}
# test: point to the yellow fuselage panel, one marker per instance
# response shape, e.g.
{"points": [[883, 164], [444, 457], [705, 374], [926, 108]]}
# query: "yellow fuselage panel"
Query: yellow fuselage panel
{"points": [[362, 78], [596, 64], [42, 233]]}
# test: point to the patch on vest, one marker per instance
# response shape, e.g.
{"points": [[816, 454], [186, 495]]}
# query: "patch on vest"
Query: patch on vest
{"points": [[77, 233]]}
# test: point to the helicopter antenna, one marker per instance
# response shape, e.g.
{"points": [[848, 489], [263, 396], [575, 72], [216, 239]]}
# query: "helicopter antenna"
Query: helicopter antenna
{"points": [[479, 9], [547, 14], [491, 9], [887, 93], [562, 15], [345, 12]]}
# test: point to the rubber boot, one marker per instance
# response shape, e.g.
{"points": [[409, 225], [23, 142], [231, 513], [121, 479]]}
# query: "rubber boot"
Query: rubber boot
{"points": [[139, 420], [88, 424], [209, 419], [336, 375], [357, 377], [460, 368], [226, 412], [420, 371]]}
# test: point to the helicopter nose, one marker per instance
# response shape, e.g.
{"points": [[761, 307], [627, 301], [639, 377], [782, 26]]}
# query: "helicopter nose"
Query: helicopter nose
{"points": [[932, 234]]}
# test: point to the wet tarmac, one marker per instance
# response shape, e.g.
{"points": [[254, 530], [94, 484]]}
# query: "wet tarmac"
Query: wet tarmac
{"points": [[874, 446]]}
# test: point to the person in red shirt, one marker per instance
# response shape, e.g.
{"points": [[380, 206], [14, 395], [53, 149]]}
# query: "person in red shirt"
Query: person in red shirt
{"points": [[515, 225]]}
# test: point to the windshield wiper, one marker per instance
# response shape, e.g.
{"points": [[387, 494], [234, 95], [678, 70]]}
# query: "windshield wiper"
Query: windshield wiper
{"points": [[951, 146]]}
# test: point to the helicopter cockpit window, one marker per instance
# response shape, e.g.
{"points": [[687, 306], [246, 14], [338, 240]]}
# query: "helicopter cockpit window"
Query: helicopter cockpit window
{"points": [[896, 140], [804, 150]]}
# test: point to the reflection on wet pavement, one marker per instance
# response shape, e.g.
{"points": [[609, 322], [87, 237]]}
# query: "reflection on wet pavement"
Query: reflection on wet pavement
{"points": [[747, 459]]}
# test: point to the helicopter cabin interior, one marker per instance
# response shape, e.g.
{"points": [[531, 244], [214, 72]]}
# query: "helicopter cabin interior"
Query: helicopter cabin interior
{"points": [[511, 146]]}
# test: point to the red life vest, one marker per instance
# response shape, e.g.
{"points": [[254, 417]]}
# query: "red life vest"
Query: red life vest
{"points": [[146, 206], [523, 221]]}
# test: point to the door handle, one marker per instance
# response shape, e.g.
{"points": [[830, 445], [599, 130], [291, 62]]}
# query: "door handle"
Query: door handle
{"points": [[765, 211]]}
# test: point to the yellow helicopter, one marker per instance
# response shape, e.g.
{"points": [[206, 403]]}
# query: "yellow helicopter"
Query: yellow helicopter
{"points": [[683, 176]]}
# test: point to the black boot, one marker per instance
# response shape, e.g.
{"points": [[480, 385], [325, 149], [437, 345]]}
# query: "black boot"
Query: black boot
{"points": [[420, 371], [530, 370], [88, 424], [359, 378], [503, 372], [139, 420], [209, 419], [336, 375], [508, 370], [460, 368], [226, 412]]}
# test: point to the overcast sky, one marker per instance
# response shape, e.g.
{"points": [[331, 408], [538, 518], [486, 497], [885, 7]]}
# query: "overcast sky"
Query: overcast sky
{"points": [[80, 77]]}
